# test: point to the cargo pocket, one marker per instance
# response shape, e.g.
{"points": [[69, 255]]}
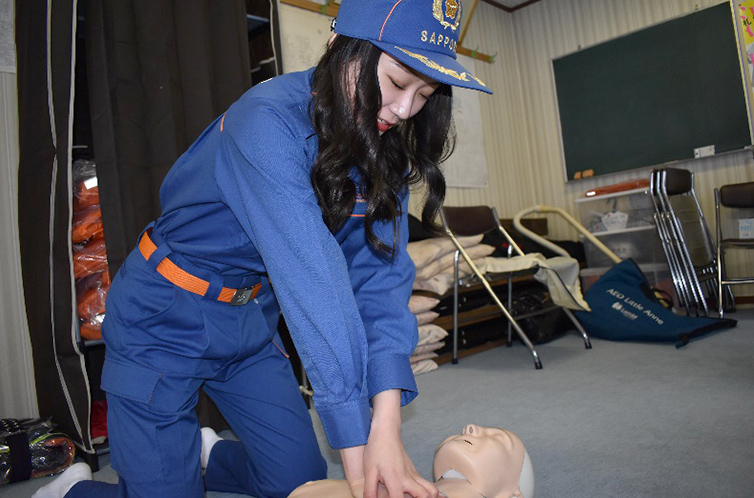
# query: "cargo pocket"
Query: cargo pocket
{"points": [[129, 381], [135, 452]]}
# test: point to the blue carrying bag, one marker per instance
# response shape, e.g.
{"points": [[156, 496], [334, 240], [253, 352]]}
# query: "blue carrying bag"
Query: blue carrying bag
{"points": [[624, 308]]}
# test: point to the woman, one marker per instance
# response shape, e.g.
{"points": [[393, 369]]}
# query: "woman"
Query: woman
{"points": [[302, 183]]}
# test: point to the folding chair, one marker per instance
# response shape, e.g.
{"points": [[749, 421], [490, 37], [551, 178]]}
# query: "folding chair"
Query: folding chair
{"points": [[686, 237], [739, 196], [662, 224], [467, 221]]}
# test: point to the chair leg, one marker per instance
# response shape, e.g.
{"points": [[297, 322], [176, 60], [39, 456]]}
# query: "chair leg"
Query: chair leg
{"points": [[579, 327], [711, 285], [521, 334], [720, 296], [509, 343], [454, 358], [726, 299], [731, 299], [675, 271], [491, 292]]}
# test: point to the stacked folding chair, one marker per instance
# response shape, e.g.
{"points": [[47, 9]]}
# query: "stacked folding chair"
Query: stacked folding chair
{"points": [[686, 238]]}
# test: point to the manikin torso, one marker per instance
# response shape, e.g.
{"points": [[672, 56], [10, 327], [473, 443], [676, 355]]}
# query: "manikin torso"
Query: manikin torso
{"points": [[481, 462]]}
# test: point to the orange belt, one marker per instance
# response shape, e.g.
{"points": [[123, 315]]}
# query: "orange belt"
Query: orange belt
{"points": [[191, 283]]}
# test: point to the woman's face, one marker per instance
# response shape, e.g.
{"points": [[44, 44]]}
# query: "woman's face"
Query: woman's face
{"points": [[404, 92]]}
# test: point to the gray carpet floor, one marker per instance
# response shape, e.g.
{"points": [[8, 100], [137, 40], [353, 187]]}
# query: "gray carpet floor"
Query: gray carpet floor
{"points": [[619, 420]]}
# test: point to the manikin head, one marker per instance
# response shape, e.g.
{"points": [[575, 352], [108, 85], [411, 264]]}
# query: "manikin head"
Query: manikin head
{"points": [[492, 461]]}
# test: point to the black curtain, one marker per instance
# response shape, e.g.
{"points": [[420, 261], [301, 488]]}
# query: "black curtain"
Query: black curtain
{"points": [[158, 72], [44, 95]]}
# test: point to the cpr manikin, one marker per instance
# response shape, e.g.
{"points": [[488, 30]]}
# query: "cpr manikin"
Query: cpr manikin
{"points": [[481, 462]]}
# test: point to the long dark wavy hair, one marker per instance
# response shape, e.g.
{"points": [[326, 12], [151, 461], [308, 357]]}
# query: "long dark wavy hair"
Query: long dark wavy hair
{"points": [[346, 125]]}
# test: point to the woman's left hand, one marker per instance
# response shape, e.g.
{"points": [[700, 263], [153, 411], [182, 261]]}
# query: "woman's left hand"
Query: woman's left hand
{"points": [[385, 459]]}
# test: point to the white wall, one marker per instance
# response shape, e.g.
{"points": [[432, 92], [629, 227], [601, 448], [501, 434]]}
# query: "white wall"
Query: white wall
{"points": [[303, 36], [521, 127]]}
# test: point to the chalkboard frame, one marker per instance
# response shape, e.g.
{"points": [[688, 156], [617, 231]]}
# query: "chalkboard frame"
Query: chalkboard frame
{"points": [[594, 142]]}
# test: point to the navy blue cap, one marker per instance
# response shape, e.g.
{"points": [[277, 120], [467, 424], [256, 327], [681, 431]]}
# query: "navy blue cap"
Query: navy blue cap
{"points": [[422, 34]]}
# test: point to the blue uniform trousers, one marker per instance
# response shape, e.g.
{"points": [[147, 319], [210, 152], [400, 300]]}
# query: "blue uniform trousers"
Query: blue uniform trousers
{"points": [[163, 344]]}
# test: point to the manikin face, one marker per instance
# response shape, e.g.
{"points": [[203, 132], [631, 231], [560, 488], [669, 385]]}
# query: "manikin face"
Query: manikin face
{"points": [[404, 92], [490, 459]]}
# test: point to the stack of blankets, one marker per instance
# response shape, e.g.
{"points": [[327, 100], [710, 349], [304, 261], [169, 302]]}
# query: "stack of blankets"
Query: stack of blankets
{"points": [[433, 259], [89, 253]]}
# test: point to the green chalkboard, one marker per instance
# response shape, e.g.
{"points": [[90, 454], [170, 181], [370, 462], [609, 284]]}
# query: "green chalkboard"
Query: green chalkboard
{"points": [[653, 96]]}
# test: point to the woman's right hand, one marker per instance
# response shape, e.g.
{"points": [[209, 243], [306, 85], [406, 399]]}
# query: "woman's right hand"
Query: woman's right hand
{"points": [[353, 465], [383, 462]]}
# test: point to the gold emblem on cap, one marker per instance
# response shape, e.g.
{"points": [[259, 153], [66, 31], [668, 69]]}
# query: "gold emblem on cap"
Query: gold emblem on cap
{"points": [[452, 10], [444, 70]]}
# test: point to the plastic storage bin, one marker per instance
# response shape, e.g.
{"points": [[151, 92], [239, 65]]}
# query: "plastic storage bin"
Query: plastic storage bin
{"points": [[616, 211], [624, 222], [642, 244]]}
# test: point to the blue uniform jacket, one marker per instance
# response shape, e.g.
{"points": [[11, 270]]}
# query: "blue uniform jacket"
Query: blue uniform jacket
{"points": [[240, 200]]}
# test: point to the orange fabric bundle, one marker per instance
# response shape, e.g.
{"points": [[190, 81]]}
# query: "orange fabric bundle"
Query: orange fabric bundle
{"points": [[92, 303], [84, 197], [90, 257], [86, 224], [91, 294], [91, 331]]}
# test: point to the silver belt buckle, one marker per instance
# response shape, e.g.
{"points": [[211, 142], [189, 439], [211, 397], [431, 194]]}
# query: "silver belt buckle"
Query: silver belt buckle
{"points": [[241, 297]]}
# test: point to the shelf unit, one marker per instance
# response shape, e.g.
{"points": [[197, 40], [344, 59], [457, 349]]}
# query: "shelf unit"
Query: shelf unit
{"points": [[482, 313], [624, 222], [481, 309]]}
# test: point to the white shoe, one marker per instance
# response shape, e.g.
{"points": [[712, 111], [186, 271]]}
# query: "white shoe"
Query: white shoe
{"points": [[209, 438], [64, 482]]}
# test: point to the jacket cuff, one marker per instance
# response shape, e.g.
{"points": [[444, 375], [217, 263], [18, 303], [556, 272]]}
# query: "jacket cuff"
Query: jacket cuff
{"points": [[392, 372], [346, 425]]}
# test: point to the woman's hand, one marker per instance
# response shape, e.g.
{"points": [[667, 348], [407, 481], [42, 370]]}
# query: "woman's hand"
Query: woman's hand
{"points": [[385, 459]]}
